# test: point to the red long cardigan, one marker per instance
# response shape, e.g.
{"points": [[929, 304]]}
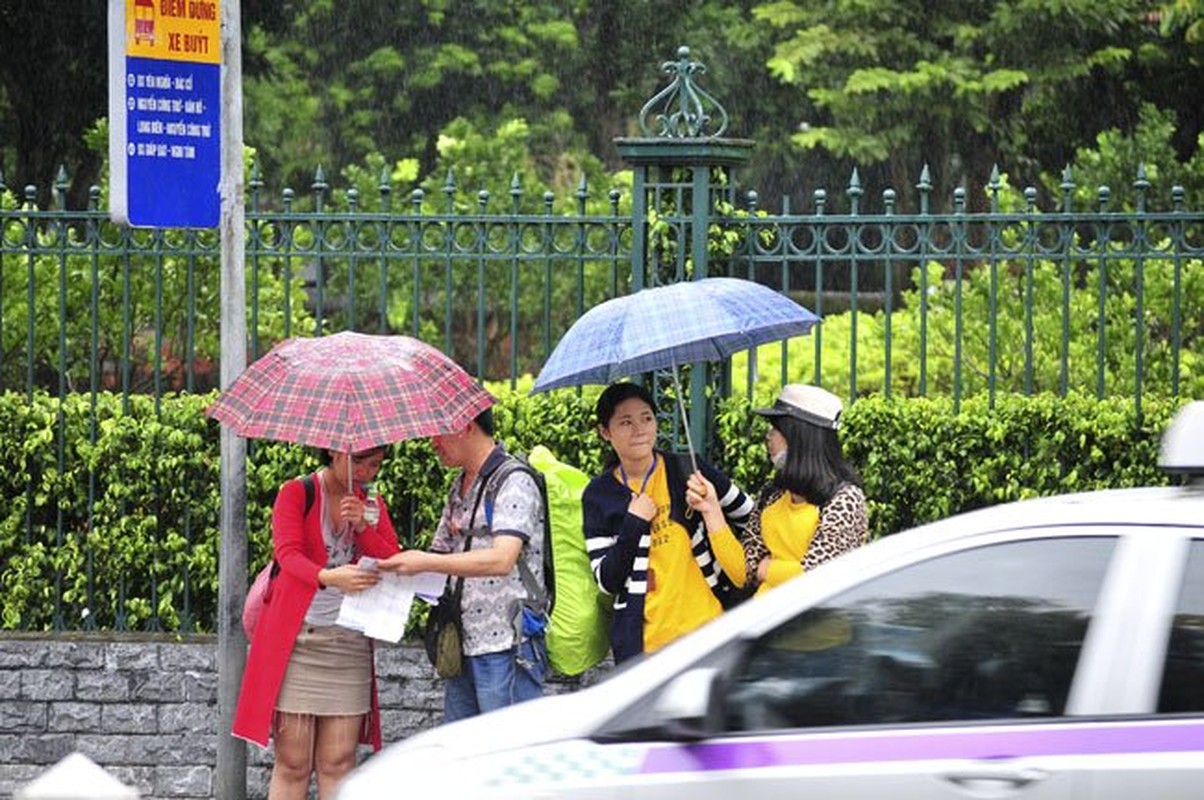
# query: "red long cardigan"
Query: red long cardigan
{"points": [[299, 549]]}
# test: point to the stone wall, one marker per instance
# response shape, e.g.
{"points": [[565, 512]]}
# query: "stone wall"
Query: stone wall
{"points": [[144, 707]]}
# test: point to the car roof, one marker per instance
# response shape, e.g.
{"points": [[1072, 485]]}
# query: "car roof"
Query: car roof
{"points": [[1146, 506]]}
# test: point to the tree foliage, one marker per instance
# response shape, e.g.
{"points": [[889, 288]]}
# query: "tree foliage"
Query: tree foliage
{"points": [[821, 86], [966, 85]]}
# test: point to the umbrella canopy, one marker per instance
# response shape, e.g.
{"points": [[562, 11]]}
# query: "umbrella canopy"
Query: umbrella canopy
{"points": [[350, 392], [662, 327]]}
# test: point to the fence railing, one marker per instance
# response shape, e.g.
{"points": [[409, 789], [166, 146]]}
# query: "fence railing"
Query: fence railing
{"points": [[1027, 300]]}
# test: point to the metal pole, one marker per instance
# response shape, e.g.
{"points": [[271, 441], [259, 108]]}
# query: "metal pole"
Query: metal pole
{"points": [[700, 201], [230, 782]]}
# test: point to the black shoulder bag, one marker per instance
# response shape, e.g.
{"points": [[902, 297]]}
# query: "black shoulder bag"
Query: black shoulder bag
{"points": [[444, 635]]}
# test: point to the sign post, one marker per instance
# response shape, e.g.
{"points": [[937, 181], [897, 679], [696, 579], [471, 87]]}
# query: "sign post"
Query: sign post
{"points": [[164, 112], [231, 779]]}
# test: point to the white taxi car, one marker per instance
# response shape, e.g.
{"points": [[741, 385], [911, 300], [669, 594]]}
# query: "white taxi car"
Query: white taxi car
{"points": [[1049, 648]]}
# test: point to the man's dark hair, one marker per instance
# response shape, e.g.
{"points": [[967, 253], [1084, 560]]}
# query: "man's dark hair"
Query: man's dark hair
{"points": [[484, 421]]}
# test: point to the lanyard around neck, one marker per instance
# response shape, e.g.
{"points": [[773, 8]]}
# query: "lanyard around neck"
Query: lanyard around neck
{"points": [[647, 476]]}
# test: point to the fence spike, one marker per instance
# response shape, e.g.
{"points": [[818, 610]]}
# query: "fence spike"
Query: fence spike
{"points": [[1067, 187], [582, 194], [994, 186], [61, 183], [1141, 185]]}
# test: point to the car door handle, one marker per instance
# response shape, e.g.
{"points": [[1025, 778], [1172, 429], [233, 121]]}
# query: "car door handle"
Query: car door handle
{"points": [[997, 777]]}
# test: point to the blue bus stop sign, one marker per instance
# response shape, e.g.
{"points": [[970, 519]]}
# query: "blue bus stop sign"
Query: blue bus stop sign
{"points": [[165, 112]]}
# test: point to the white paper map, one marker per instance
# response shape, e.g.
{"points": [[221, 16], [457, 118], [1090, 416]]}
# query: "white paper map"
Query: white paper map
{"points": [[382, 611]]}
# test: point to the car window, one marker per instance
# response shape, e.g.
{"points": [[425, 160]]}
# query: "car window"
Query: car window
{"points": [[1183, 674], [992, 632]]}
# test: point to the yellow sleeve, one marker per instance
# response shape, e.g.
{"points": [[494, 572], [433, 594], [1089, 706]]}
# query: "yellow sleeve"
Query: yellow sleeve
{"points": [[782, 570], [730, 554]]}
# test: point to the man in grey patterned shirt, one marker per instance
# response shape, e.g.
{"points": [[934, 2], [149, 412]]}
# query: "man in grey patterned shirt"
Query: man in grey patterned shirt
{"points": [[505, 661]]}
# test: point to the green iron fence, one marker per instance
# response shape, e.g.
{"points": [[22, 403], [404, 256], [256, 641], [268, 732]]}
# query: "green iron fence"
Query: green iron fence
{"points": [[1100, 300]]}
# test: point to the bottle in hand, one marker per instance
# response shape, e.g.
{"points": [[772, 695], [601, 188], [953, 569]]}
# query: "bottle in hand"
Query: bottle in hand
{"points": [[371, 504]]}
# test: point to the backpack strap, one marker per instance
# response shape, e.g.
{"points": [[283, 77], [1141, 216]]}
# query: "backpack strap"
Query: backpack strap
{"points": [[310, 492], [537, 594]]}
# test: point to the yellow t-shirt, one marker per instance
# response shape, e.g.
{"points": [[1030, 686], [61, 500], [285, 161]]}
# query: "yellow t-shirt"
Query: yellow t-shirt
{"points": [[787, 528], [678, 598]]}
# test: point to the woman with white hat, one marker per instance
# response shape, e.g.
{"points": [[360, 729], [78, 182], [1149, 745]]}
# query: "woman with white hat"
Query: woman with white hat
{"points": [[814, 508]]}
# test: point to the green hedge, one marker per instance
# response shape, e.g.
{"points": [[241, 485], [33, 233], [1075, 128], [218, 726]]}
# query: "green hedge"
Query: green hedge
{"points": [[110, 513]]}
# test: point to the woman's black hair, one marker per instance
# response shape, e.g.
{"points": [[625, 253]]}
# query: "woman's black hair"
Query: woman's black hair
{"points": [[616, 393], [325, 454], [815, 465]]}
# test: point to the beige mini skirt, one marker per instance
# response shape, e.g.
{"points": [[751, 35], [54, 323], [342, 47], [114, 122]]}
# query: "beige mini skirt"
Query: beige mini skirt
{"points": [[329, 673]]}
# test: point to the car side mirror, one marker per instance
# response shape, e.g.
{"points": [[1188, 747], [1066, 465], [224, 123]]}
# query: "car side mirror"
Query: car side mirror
{"points": [[689, 706]]}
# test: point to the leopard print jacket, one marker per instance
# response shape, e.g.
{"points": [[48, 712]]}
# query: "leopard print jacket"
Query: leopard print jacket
{"points": [[843, 526]]}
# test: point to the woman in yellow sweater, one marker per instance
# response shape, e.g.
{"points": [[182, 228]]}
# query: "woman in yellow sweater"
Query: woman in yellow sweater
{"points": [[814, 508]]}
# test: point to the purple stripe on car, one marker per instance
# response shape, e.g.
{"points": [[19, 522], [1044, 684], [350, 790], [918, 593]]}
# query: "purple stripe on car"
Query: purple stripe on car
{"points": [[915, 745]]}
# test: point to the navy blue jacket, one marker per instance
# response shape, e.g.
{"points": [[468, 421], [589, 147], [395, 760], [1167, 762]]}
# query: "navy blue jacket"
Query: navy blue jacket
{"points": [[618, 543]]}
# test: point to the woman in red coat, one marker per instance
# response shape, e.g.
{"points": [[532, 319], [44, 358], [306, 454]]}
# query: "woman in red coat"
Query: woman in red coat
{"points": [[309, 684]]}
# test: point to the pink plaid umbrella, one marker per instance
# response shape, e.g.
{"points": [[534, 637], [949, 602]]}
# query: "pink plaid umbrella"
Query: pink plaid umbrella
{"points": [[350, 392]]}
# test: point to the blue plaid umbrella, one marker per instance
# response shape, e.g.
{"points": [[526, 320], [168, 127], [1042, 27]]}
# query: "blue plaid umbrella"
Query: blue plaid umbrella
{"points": [[660, 328]]}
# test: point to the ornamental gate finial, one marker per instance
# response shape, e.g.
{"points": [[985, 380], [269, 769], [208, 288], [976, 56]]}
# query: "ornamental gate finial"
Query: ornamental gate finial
{"points": [[682, 110]]}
